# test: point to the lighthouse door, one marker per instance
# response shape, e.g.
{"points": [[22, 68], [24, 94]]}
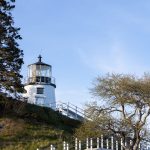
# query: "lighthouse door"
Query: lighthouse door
{"points": [[39, 100]]}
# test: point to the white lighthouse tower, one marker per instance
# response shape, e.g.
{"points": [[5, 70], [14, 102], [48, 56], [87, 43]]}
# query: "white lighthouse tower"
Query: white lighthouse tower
{"points": [[40, 86]]}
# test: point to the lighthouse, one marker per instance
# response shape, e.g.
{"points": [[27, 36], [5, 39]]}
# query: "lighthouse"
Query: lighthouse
{"points": [[40, 85]]}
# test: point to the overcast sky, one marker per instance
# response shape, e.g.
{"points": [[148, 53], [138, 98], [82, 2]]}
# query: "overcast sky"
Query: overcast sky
{"points": [[82, 39]]}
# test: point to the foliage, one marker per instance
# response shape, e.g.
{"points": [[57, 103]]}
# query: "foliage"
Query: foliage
{"points": [[27, 135], [123, 110], [11, 57], [26, 126]]}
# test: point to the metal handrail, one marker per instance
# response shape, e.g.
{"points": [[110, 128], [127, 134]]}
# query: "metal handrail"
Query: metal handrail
{"points": [[71, 107], [40, 79], [68, 109], [75, 108]]}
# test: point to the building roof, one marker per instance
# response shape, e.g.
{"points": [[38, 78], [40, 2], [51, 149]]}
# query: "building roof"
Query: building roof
{"points": [[40, 62]]}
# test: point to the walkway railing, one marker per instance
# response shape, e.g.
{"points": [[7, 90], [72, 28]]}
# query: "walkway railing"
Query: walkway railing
{"points": [[70, 110], [67, 109]]}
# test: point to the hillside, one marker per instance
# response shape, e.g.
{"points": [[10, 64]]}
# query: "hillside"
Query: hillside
{"points": [[25, 126]]}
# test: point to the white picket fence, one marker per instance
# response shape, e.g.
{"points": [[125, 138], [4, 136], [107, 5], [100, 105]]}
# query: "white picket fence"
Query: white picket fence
{"points": [[93, 144]]}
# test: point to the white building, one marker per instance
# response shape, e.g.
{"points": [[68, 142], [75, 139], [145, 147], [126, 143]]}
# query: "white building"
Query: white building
{"points": [[40, 85]]}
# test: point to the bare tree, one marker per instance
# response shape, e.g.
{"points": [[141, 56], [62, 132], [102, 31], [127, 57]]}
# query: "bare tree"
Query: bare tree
{"points": [[123, 109]]}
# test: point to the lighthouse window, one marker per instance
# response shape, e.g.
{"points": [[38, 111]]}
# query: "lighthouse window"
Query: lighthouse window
{"points": [[40, 90]]}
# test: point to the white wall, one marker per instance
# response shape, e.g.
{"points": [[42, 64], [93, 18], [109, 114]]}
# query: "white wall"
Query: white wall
{"points": [[47, 98]]}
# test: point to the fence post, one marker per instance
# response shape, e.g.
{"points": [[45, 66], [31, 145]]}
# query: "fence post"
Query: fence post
{"points": [[76, 144], [116, 145], [87, 143], [102, 144], [91, 143], [97, 142], [107, 143], [121, 144], [130, 142], [125, 143], [139, 146], [112, 143], [64, 145], [67, 146], [79, 145], [51, 147]]}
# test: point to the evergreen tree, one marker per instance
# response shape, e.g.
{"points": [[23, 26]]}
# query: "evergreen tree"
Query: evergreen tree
{"points": [[11, 57]]}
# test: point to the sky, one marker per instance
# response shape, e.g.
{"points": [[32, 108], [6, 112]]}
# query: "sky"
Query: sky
{"points": [[83, 39]]}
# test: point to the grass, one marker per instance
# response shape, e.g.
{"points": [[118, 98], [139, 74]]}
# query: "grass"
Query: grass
{"points": [[27, 127], [28, 136]]}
